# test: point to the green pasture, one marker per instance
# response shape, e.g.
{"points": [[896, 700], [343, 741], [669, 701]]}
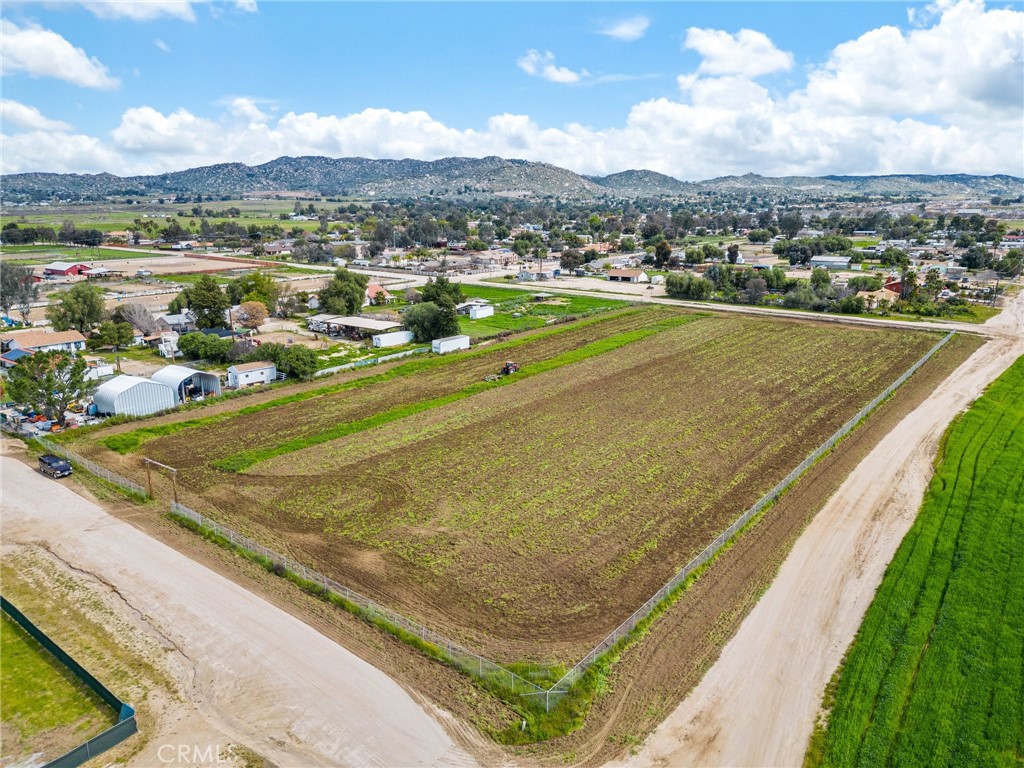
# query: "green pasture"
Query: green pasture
{"points": [[934, 676], [45, 707]]}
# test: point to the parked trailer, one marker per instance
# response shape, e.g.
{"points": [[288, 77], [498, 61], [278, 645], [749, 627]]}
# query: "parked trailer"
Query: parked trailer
{"points": [[394, 339], [450, 344]]}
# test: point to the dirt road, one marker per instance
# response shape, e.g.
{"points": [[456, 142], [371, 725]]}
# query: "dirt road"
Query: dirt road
{"points": [[255, 675], [757, 704]]}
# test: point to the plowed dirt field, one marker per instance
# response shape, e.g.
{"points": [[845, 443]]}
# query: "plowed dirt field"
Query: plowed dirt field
{"points": [[530, 518]]}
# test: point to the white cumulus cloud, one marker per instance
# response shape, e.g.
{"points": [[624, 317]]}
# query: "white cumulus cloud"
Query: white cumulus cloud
{"points": [[162, 45], [28, 118], [627, 30], [42, 52], [748, 52], [957, 111], [968, 65], [543, 65], [246, 109], [141, 10]]}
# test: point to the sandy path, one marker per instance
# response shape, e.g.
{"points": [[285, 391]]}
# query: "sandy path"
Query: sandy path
{"points": [[757, 704], [258, 676]]}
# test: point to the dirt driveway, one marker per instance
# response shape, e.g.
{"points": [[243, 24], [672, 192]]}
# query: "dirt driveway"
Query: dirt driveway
{"points": [[756, 706], [249, 673]]}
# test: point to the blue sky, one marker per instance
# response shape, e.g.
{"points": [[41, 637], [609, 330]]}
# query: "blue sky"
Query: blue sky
{"points": [[690, 89]]}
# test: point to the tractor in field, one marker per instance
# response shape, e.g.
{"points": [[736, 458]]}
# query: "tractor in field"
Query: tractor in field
{"points": [[510, 367]]}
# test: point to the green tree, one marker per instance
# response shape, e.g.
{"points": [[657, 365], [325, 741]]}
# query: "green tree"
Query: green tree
{"points": [[662, 253], [47, 381], [683, 285], [893, 257], [442, 286], [80, 308], [116, 335], [733, 253], [208, 302], [790, 224], [299, 361], [933, 283], [429, 320], [18, 289], [759, 236], [976, 257], [821, 280], [12, 278], [710, 252], [852, 305], [345, 293], [255, 286], [205, 346], [571, 259]]}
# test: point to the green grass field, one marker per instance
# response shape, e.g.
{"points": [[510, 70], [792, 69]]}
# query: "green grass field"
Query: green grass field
{"points": [[43, 254], [935, 675], [45, 707]]}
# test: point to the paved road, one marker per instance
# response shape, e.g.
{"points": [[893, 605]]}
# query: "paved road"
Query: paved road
{"points": [[757, 704], [261, 677]]}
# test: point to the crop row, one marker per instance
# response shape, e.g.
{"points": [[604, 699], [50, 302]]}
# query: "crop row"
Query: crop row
{"points": [[300, 414], [935, 675], [572, 482]]}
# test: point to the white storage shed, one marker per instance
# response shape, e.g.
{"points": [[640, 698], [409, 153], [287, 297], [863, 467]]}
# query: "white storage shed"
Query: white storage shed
{"points": [[394, 339], [248, 374], [450, 344], [134, 396], [188, 383], [480, 310]]}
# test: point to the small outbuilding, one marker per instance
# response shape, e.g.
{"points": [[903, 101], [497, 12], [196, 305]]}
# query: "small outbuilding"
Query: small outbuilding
{"points": [[133, 396], [450, 344], [249, 374], [480, 311], [188, 383], [628, 276]]}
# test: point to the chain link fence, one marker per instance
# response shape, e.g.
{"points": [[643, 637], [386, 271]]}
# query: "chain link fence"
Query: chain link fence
{"points": [[473, 664], [92, 467], [406, 629], [574, 674]]}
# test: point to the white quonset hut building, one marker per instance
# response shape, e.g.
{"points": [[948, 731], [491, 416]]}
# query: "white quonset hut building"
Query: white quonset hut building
{"points": [[188, 383], [133, 396]]}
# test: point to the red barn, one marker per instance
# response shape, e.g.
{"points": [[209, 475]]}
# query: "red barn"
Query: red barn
{"points": [[64, 268]]}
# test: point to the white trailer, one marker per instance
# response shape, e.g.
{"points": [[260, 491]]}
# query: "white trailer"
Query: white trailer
{"points": [[450, 344], [394, 339], [480, 310]]}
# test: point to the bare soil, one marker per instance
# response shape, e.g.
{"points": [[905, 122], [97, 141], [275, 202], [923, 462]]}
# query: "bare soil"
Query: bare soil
{"points": [[473, 517]]}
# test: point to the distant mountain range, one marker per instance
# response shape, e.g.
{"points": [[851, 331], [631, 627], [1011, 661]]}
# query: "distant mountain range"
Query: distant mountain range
{"points": [[469, 178]]}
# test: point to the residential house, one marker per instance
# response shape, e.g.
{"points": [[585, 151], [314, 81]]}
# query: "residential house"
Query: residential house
{"points": [[185, 322], [375, 294], [42, 341], [872, 298]]}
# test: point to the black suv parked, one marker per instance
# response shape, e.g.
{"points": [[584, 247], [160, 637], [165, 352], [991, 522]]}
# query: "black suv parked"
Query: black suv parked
{"points": [[54, 466]]}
